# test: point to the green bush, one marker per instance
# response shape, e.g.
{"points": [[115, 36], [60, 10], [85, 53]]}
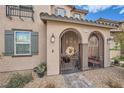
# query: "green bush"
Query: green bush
{"points": [[19, 81], [40, 69], [121, 58], [116, 60]]}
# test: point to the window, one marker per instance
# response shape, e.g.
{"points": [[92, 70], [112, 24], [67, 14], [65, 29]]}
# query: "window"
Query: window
{"points": [[61, 12], [19, 11], [76, 16], [22, 43]]}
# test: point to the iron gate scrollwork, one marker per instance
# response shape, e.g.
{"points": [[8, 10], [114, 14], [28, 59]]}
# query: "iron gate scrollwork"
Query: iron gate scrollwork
{"points": [[70, 53]]}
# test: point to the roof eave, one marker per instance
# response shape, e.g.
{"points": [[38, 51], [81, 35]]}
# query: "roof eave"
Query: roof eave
{"points": [[72, 20], [107, 20]]}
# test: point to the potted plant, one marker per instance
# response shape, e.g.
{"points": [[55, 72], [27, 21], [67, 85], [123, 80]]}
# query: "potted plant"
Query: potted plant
{"points": [[40, 69]]}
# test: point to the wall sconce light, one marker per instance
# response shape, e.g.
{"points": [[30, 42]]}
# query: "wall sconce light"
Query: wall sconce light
{"points": [[52, 39], [109, 40]]}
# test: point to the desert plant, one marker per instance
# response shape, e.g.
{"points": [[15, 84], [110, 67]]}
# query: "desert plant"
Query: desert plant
{"points": [[113, 84], [18, 81], [40, 69]]}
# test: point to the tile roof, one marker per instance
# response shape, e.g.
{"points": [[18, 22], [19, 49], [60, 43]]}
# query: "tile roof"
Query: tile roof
{"points": [[108, 21], [117, 23], [53, 17]]}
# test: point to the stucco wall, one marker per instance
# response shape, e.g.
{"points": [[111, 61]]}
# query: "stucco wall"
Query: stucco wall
{"points": [[57, 28], [8, 63]]}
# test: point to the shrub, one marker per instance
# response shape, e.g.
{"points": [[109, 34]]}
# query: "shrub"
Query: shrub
{"points": [[113, 84], [40, 69], [18, 81], [121, 58], [116, 60]]}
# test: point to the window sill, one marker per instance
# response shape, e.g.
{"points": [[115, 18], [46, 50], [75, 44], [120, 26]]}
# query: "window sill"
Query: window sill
{"points": [[22, 55]]}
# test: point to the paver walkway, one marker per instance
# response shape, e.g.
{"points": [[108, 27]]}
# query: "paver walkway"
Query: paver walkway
{"points": [[73, 80], [76, 80]]}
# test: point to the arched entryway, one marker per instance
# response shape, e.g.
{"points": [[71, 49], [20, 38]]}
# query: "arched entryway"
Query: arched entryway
{"points": [[96, 50], [70, 41]]}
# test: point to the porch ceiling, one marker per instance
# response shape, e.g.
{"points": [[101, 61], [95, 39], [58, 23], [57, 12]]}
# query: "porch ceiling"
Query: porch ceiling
{"points": [[46, 17]]}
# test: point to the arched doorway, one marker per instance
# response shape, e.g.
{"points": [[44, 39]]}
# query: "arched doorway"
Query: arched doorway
{"points": [[70, 41], [96, 50]]}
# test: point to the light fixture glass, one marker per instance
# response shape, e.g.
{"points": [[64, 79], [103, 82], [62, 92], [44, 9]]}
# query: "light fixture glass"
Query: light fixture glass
{"points": [[52, 39]]}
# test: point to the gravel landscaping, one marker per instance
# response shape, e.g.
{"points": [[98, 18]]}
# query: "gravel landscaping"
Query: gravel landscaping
{"points": [[47, 82], [92, 78], [73, 80], [6, 76], [100, 77]]}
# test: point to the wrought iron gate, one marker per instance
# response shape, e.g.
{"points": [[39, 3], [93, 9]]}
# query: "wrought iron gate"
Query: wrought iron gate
{"points": [[70, 53]]}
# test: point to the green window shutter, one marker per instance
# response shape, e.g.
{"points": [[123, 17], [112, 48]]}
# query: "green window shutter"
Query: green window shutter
{"points": [[9, 43], [34, 43], [65, 13]]}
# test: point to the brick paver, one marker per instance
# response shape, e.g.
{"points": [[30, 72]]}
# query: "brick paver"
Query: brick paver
{"points": [[76, 80]]}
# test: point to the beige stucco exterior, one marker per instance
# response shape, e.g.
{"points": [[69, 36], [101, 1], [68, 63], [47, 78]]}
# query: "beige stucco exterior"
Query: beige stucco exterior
{"points": [[8, 63], [57, 28]]}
